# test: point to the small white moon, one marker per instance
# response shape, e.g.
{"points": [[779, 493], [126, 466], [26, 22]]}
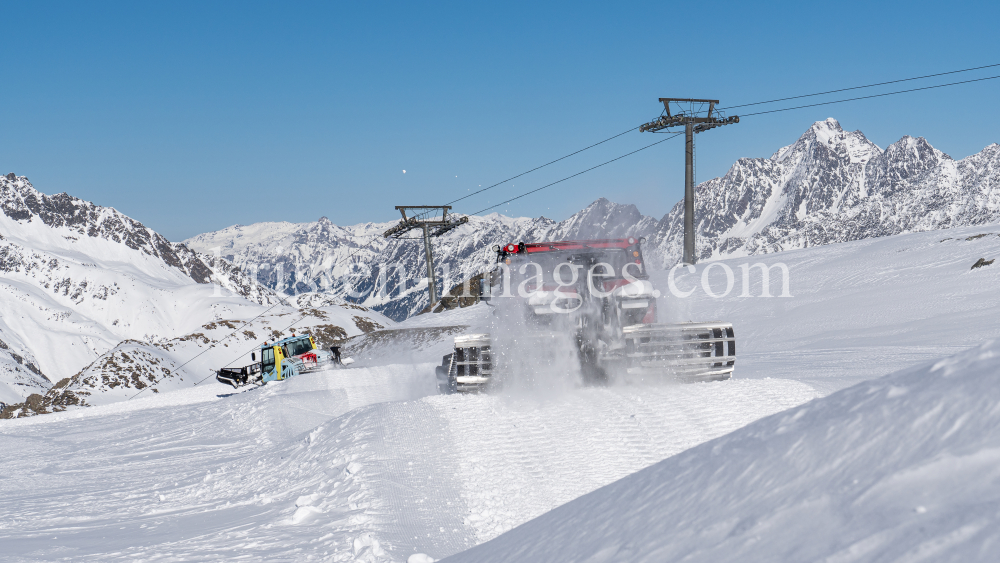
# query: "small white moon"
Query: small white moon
{"points": [[404, 171]]}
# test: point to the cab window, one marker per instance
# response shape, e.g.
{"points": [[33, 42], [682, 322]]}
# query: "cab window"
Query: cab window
{"points": [[301, 346], [267, 359]]}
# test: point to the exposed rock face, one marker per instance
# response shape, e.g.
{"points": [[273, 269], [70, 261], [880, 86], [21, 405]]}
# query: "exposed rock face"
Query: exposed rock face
{"points": [[21, 202]]}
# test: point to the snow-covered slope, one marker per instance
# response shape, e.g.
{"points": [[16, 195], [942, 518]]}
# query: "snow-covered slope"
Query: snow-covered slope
{"points": [[77, 279], [370, 464], [829, 186], [858, 309], [901, 468]]}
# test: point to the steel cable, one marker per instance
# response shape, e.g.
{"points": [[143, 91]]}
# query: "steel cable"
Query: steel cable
{"points": [[872, 96], [860, 87]]}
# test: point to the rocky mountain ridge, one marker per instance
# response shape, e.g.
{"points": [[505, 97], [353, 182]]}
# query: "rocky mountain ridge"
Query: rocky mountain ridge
{"points": [[20, 202], [835, 186]]}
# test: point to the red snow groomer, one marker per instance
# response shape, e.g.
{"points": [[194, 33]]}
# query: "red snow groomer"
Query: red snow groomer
{"points": [[597, 292]]}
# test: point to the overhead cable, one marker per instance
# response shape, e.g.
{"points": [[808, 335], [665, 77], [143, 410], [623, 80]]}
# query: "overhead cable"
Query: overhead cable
{"points": [[860, 87], [543, 166], [872, 96], [575, 175]]}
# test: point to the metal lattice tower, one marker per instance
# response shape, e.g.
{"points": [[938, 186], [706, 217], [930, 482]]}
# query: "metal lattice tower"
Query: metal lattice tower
{"points": [[687, 113], [432, 228]]}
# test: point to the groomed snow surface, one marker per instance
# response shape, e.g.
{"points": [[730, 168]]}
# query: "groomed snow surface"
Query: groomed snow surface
{"points": [[370, 464], [901, 468], [207, 477], [338, 465]]}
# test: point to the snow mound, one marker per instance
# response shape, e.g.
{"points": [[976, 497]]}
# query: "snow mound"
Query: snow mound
{"points": [[901, 468]]}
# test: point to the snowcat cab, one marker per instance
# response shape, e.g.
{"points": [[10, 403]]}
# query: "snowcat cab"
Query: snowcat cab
{"points": [[290, 357], [278, 361], [598, 291], [610, 274]]}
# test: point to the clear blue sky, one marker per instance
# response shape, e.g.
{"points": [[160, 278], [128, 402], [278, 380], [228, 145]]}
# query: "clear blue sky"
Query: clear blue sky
{"points": [[192, 116]]}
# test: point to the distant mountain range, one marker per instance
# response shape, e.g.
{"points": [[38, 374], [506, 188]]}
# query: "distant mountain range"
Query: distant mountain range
{"points": [[308, 257], [829, 186]]}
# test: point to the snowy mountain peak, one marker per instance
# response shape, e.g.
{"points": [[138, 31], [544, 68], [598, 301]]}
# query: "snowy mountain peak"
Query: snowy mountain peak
{"points": [[60, 221], [916, 149], [825, 139], [825, 130], [820, 132], [606, 219], [833, 185]]}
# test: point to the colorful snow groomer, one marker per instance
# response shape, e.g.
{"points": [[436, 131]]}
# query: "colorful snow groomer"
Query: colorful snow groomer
{"points": [[279, 360]]}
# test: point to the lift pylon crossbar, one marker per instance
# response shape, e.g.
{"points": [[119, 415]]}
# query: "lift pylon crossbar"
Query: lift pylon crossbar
{"points": [[684, 118], [693, 122]]}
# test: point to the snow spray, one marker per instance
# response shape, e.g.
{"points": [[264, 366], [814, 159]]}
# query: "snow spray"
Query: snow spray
{"points": [[531, 359]]}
